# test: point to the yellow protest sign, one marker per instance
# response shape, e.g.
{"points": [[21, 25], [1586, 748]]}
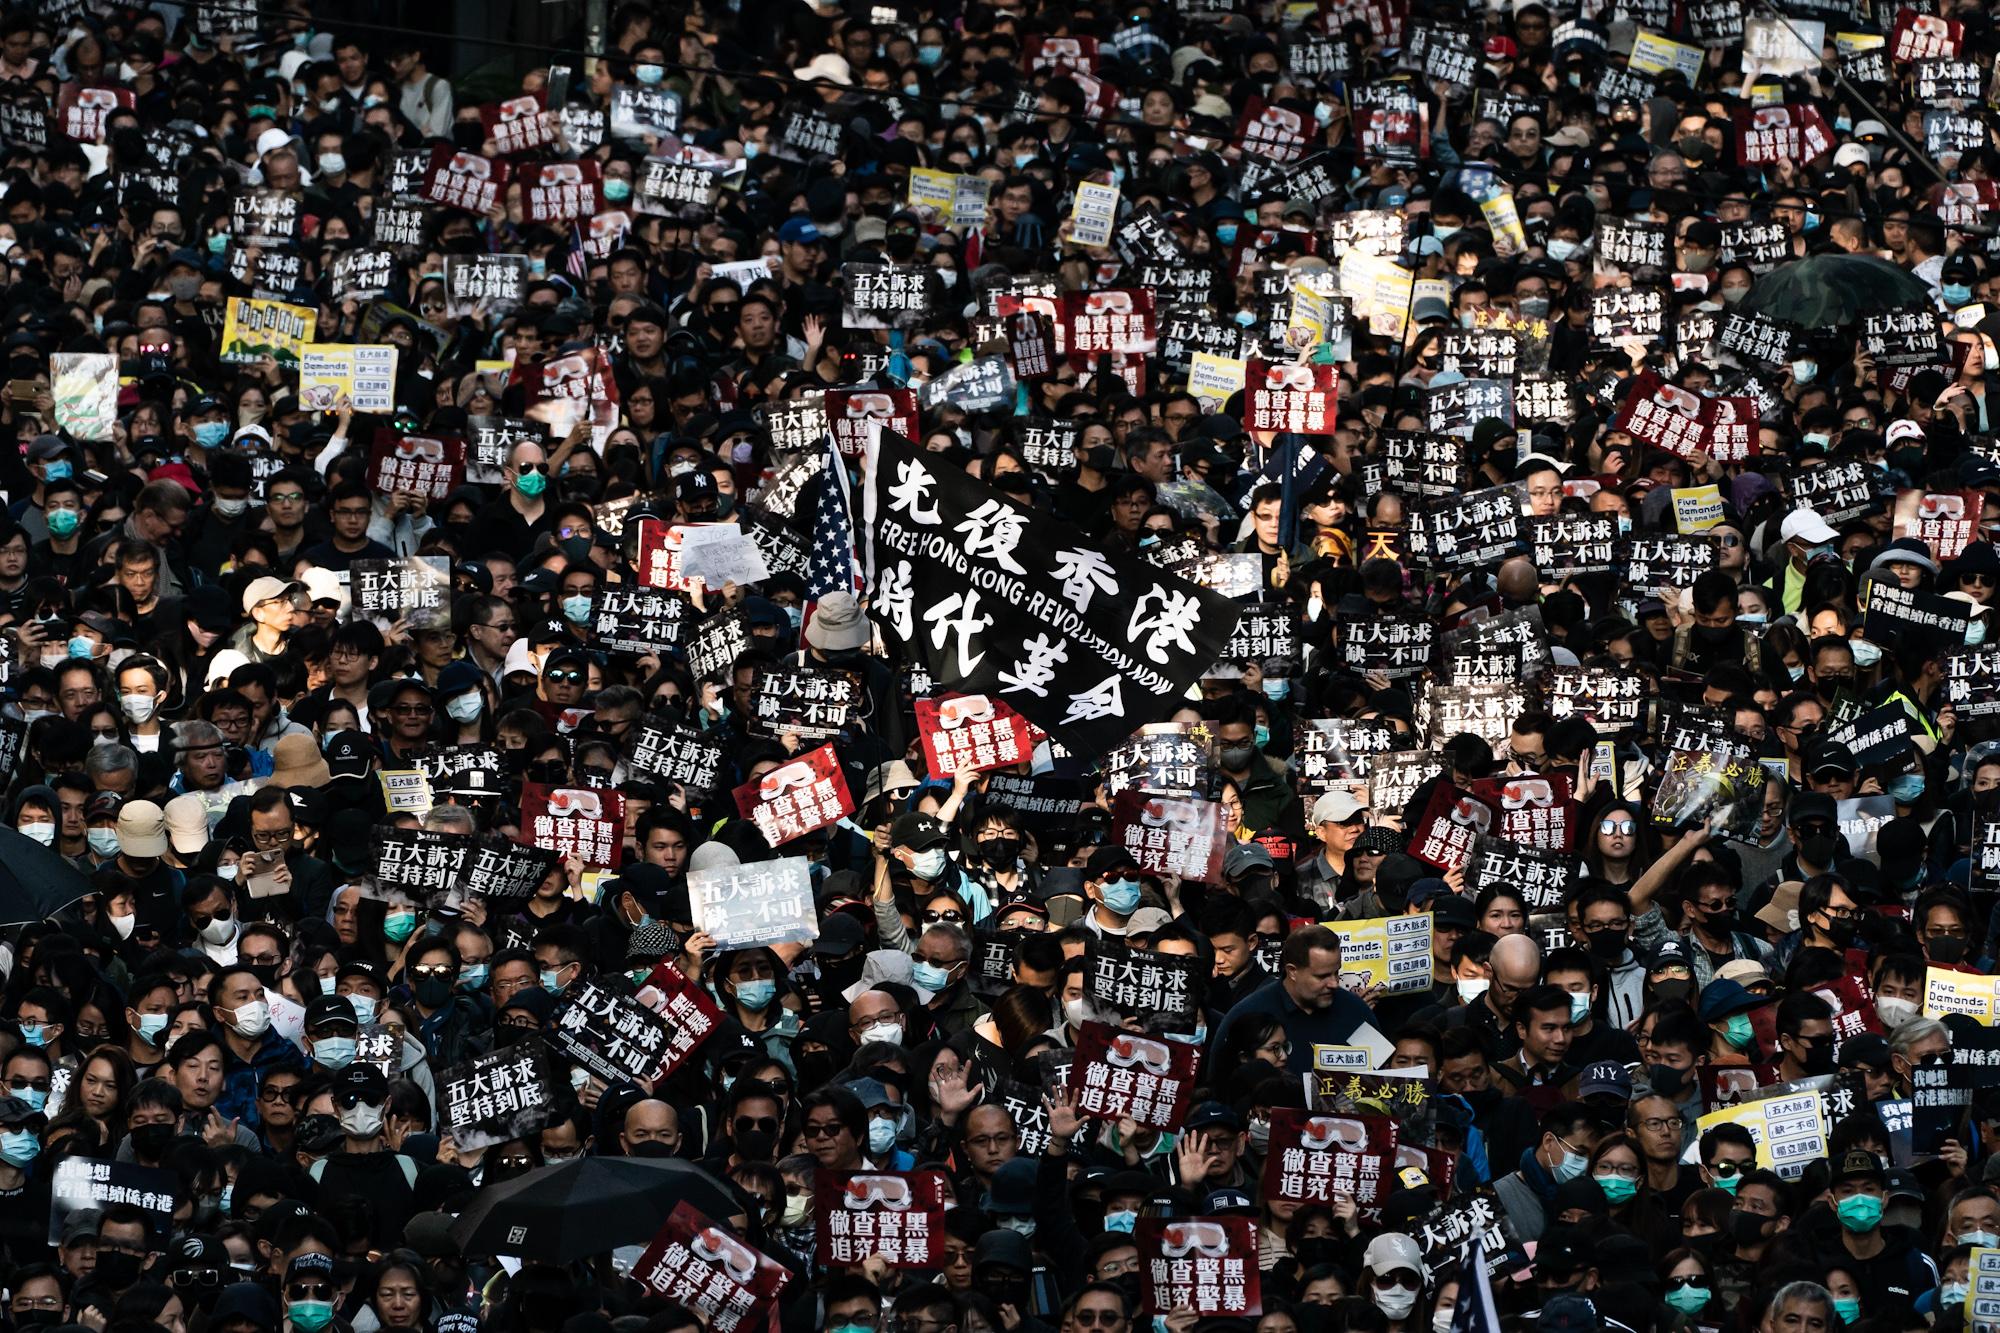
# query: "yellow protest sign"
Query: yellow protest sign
{"points": [[1213, 378], [357, 376], [1790, 1130], [1504, 220], [1697, 508], [1656, 55], [253, 330], [930, 189], [1307, 325], [1947, 992], [1982, 1293], [1848, 43], [1393, 952]]}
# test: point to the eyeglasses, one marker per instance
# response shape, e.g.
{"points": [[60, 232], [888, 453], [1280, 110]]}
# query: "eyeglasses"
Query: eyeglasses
{"points": [[506, 627], [1615, 827], [309, 1291], [521, 1163], [1621, 1172], [434, 970], [349, 511], [208, 1278], [23, 1084], [1660, 1124], [1728, 540], [1683, 1283], [990, 1141], [766, 1123]]}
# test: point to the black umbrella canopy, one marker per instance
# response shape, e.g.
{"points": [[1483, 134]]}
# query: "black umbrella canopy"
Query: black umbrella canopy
{"points": [[35, 881], [589, 1206], [1820, 291]]}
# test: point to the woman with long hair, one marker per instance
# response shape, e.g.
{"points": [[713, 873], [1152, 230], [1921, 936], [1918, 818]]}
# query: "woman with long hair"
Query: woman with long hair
{"points": [[1620, 1171]]}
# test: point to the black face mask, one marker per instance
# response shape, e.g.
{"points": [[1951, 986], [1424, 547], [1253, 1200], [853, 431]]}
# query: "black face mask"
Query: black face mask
{"points": [[115, 1268], [468, 136], [1721, 923], [1000, 853], [1673, 988], [1100, 458], [1842, 932], [38, 1319], [1746, 1228], [1483, 1100], [815, 1067], [1667, 1079], [1005, 1291], [1607, 943], [1945, 949], [1819, 849], [506, 1034], [1313, 1251], [149, 1141], [1818, 1058], [900, 245], [652, 1148], [1714, 633]]}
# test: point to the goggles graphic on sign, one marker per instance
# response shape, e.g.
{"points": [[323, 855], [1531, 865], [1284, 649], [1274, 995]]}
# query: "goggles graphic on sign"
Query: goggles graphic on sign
{"points": [[1941, 506], [1277, 118], [1472, 814], [469, 164], [780, 780], [1107, 303], [863, 406], [1207, 1239], [1679, 399], [1289, 377], [415, 446], [1127, 1050], [564, 370], [520, 108], [1160, 812], [97, 99], [955, 713], [891, 1192], [560, 173], [1335, 1133], [575, 803], [716, 1246], [1771, 118], [1517, 795]]}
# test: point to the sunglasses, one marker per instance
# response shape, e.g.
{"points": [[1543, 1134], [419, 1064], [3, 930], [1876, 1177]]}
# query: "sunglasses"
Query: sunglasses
{"points": [[207, 1278], [932, 918], [1618, 826], [767, 1123], [542, 468], [566, 677]]}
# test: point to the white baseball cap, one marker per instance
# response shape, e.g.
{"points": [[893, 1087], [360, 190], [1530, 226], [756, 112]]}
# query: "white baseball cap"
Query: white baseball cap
{"points": [[1336, 807], [1806, 526]]}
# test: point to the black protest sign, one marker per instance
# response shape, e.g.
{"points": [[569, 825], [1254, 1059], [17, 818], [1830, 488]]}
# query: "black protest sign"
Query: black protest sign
{"points": [[1162, 758], [499, 867], [661, 751], [804, 133], [808, 701], [1972, 682], [971, 386], [503, 1095], [998, 599], [990, 969], [1023, 1104], [783, 549], [1393, 778], [1894, 610], [1606, 697], [1186, 330], [463, 768], [1264, 630], [1573, 543], [1479, 353], [1668, 561], [1902, 337], [1544, 398], [667, 188], [1518, 634], [1866, 65], [1876, 737], [1317, 176], [265, 215], [1048, 804], [1836, 492], [1936, 1106], [1761, 245], [1465, 663], [84, 1182], [269, 271], [880, 295], [1620, 245], [1487, 711], [630, 618], [1393, 645], [418, 865], [413, 588], [1948, 83], [490, 439], [1758, 339], [1457, 409], [1163, 991], [1031, 345], [380, 1045], [360, 273], [1617, 313], [1471, 530], [1145, 234], [1335, 754], [1048, 445], [493, 280], [1975, 1055], [1541, 876], [716, 642], [603, 1029], [402, 226], [796, 423], [1419, 464]]}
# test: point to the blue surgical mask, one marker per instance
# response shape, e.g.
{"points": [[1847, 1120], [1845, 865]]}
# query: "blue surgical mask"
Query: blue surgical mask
{"points": [[1796, 672], [1263, 735], [103, 841], [36, 1098], [19, 1147], [1121, 896], [1246, 317], [649, 74], [218, 243], [1021, 160], [334, 1052], [1275, 687], [228, 1194], [551, 980], [1123, 1220], [1560, 248], [756, 996], [617, 189], [151, 1026], [56, 470], [1443, 232], [210, 434], [930, 976], [1570, 1167], [1624, 524], [928, 864], [1226, 232], [1804, 371], [1975, 631], [576, 610], [1819, 437], [795, 614], [930, 56], [1907, 789], [1957, 294], [35, 1034], [79, 646], [881, 1135], [364, 1006], [1865, 653]]}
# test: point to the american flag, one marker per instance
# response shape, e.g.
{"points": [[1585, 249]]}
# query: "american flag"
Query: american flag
{"points": [[831, 568], [579, 258]]}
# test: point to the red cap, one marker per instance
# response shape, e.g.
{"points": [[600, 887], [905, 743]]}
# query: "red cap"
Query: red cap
{"points": [[1500, 48]]}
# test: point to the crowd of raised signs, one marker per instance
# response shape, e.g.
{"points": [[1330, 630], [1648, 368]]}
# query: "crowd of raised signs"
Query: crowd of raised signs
{"points": [[1215, 667]]}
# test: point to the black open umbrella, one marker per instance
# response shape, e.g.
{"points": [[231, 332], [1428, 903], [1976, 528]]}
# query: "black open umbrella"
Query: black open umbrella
{"points": [[1820, 291], [589, 1206], [35, 881]]}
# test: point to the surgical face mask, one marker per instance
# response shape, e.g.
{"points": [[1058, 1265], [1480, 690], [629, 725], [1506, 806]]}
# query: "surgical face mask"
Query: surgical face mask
{"points": [[1804, 371], [334, 1052], [928, 864], [576, 610], [1579, 1006], [881, 1135], [551, 979], [332, 164], [1441, 1319], [1226, 232], [253, 1019], [930, 56], [63, 522], [1984, 1240], [1907, 789], [1617, 1189], [1865, 653], [1121, 896], [756, 996], [56, 471], [1122, 1221], [1859, 1212], [1975, 631], [230, 508], [45, 834], [210, 434], [1894, 1011], [930, 976], [309, 1316], [1560, 248], [364, 1008], [1396, 1302], [103, 841], [798, 1207], [18, 1148], [36, 1098], [151, 1025], [649, 74], [1819, 437], [1689, 1300], [463, 707], [361, 1120], [1952, 1295], [1260, 1134], [617, 189], [184, 289], [124, 924], [888, 1031], [1570, 1167], [531, 483], [1245, 317], [1534, 307], [1274, 689], [398, 926], [221, 929], [79, 646], [1024, 1226], [1740, 1032], [1472, 989], [1443, 232], [1077, 1012], [1957, 294]]}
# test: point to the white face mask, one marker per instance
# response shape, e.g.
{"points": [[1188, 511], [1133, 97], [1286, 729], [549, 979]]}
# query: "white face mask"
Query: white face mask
{"points": [[1468, 991], [890, 1032], [45, 834], [1893, 1011], [221, 930], [123, 925], [138, 707], [1441, 1319], [361, 1120], [253, 1019], [1076, 1012], [229, 508], [1396, 1302]]}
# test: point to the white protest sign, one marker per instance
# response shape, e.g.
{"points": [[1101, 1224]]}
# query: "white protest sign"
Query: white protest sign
{"points": [[765, 902], [1095, 211]]}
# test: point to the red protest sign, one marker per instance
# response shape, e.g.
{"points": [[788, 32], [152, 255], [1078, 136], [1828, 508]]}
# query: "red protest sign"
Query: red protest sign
{"points": [[464, 180], [1292, 397], [1535, 811], [1119, 320], [975, 730], [848, 412], [1451, 821], [1314, 1157], [1730, 429], [659, 559], [1072, 53], [691, 1015], [1383, 19], [430, 465], [1208, 1264], [1437, 1165], [1948, 521], [1170, 835], [1273, 131], [84, 110], [584, 376], [1793, 131], [1661, 414], [519, 124], [582, 821], [1031, 346], [896, 1214], [561, 191], [796, 798], [1118, 1074], [1916, 36], [696, 1262]]}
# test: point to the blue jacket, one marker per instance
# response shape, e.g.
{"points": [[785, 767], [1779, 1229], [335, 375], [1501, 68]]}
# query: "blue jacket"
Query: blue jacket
{"points": [[1334, 1025]]}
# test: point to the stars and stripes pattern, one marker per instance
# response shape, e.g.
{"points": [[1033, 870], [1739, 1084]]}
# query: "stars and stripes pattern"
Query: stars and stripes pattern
{"points": [[831, 567]]}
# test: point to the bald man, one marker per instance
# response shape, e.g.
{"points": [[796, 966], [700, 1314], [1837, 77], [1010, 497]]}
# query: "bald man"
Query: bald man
{"points": [[1519, 583], [1517, 965], [652, 1129]]}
